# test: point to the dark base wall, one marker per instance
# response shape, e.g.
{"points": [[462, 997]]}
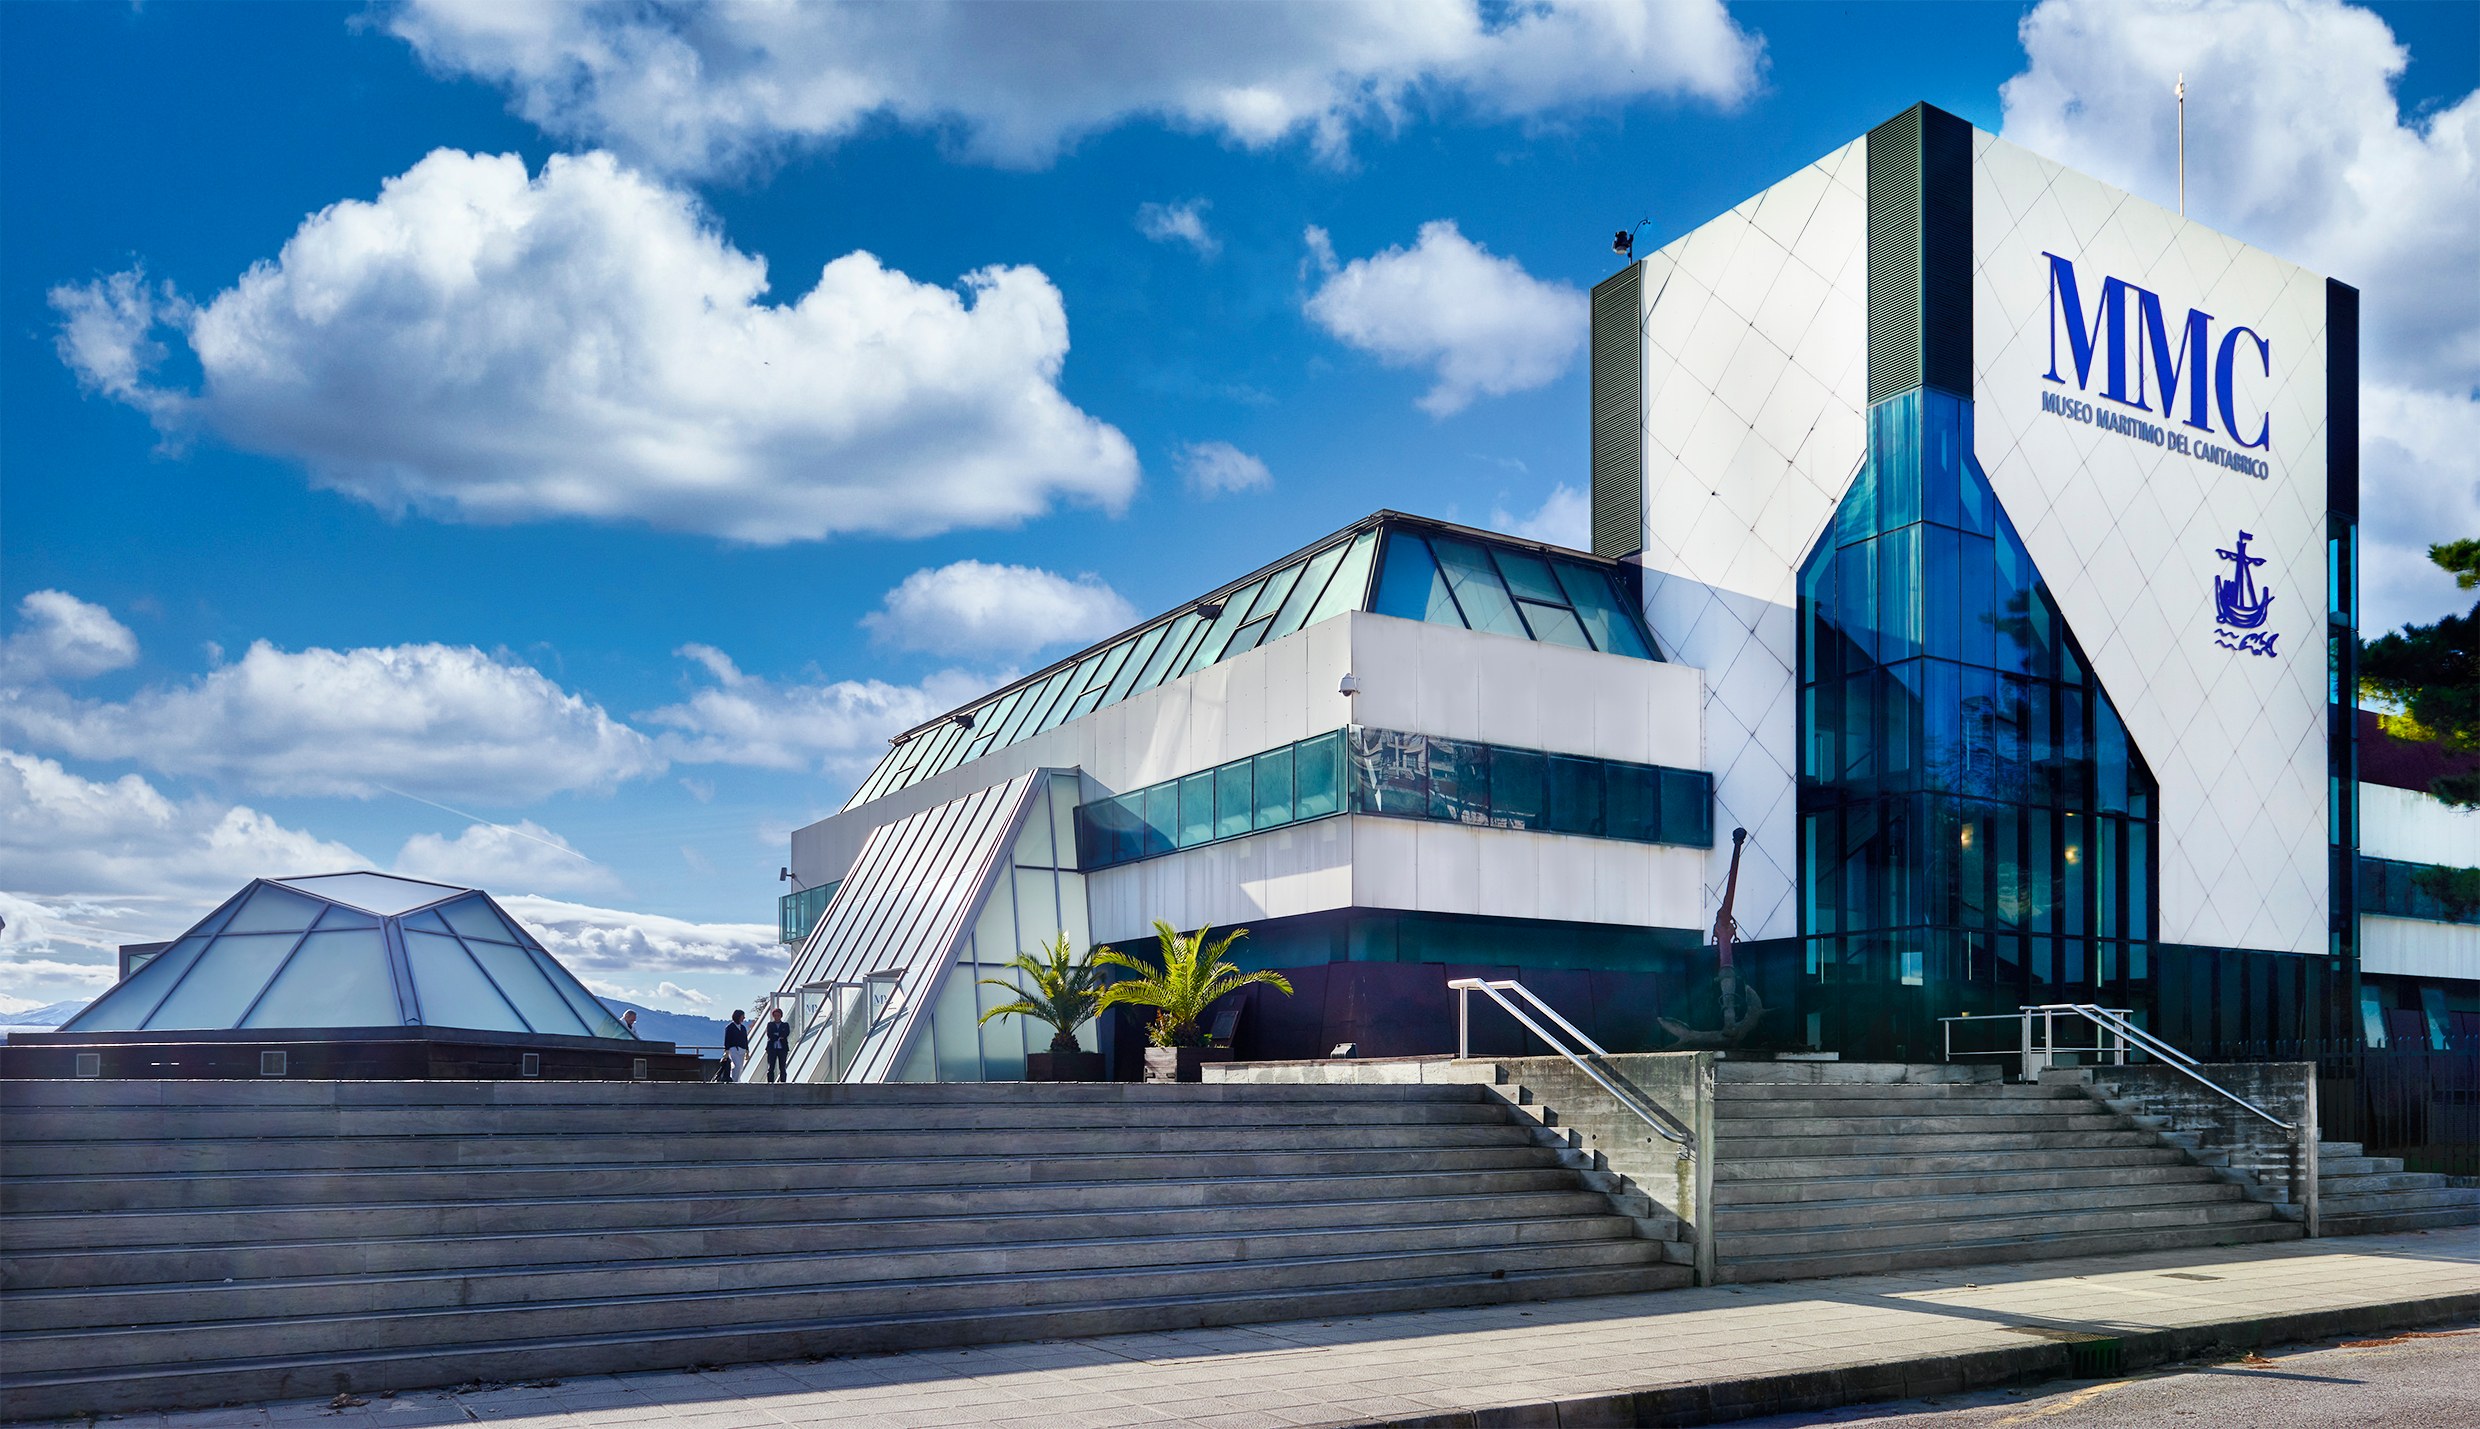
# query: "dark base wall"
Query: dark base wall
{"points": [[374, 1054], [1378, 980]]}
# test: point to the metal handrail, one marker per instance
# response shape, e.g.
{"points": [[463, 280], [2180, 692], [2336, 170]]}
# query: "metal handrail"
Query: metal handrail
{"points": [[1663, 1124], [2109, 1020]]}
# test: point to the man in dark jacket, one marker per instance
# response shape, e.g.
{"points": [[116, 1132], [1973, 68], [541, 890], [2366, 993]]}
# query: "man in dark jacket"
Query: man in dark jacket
{"points": [[735, 1045], [778, 1044]]}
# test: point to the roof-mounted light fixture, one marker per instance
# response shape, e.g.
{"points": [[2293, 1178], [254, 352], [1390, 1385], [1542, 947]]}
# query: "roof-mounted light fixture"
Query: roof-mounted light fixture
{"points": [[965, 720], [1623, 242]]}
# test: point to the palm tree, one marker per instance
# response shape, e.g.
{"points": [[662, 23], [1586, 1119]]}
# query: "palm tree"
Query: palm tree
{"points": [[1061, 989], [1193, 974]]}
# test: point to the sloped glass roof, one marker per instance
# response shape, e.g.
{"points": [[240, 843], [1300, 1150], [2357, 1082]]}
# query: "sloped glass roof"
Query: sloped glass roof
{"points": [[1424, 570], [374, 892], [352, 950]]}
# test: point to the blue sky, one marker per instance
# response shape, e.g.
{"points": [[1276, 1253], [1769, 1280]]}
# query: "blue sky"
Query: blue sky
{"points": [[389, 549]]}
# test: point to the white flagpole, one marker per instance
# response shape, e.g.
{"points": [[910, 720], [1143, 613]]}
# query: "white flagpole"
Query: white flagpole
{"points": [[2182, 93]]}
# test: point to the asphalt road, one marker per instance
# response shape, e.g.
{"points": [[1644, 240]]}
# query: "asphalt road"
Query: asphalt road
{"points": [[2424, 1380]]}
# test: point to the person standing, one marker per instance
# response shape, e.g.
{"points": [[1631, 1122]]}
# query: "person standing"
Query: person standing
{"points": [[735, 1045], [628, 1020], [778, 1044]]}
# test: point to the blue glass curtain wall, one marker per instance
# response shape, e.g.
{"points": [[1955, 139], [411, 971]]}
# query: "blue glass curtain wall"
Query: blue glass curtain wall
{"points": [[1397, 775], [1977, 828]]}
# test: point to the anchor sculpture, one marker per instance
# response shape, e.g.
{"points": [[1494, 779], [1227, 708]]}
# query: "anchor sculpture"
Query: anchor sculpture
{"points": [[1729, 996]]}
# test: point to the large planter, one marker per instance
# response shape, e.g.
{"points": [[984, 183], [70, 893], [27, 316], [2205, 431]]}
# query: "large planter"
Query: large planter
{"points": [[1063, 1066], [1181, 1064]]}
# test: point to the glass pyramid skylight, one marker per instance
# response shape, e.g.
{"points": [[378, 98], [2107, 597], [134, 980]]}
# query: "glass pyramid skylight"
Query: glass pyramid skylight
{"points": [[353, 950]]}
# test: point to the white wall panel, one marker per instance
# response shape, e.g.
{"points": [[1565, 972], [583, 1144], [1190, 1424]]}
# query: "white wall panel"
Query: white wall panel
{"points": [[1755, 401], [2413, 947], [2125, 533], [2417, 828]]}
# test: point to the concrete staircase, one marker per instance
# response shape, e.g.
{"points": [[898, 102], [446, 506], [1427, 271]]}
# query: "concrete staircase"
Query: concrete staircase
{"points": [[194, 1243], [1828, 1168], [2359, 1194]]}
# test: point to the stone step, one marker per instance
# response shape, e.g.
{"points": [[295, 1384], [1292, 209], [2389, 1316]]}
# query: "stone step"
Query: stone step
{"points": [[353, 1153], [1883, 1210], [2391, 1222], [1809, 1168], [265, 1123], [104, 1097], [2339, 1148], [1729, 1071], [2110, 1135], [2437, 1197], [1749, 1128], [245, 1226], [1730, 1094], [1983, 1252], [782, 1267], [2076, 1173], [1971, 1224], [2359, 1166], [198, 1383], [725, 1303], [1975, 1108], [20, 1195], [359, 1252], [2368, 1182]]}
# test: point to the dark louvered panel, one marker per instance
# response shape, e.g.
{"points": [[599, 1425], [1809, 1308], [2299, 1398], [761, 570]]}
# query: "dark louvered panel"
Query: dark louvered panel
{"points": [[1619, 413], [1920, 253]]}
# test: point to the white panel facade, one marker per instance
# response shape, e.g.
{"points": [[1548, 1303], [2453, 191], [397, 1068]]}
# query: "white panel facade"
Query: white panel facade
{"points": [[2414, 947], [2126, 529], [1756, 393], [2414, 827], [1428, 867], [1281, 873]]}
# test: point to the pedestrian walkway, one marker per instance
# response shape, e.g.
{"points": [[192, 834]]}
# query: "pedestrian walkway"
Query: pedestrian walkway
{"points": [[1679, 1356]]}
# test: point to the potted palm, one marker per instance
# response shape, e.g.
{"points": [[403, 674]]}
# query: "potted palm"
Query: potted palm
{"points": [[1194, 973], [1063, 991]]}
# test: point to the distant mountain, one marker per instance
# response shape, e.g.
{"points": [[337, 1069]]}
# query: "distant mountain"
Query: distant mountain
{"points": [[676, 1027], [44, 1019]]}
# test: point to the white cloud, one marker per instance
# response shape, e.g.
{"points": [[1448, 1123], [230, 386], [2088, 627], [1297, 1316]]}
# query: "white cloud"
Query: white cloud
{"points": [[60, 949], [674, 993], [1219, 469], [495, 856], [1565, 519], [442, 720], [1179, 223], [2296, 144], [62, 637], [700, 88], [832, 725], [63, 834], [1480, 322], [584, 344], [596, 943], [976, 608]]}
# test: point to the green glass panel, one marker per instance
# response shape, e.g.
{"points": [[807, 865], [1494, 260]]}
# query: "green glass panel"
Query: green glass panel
{"points": [[474, 918], [1477, 588], [1235, 610], [1529, 577], [223, 983], [125, 1007], [337, 979], [1235, 801], [1196, 809], [1343, 590], [1278, 587], [1274, 788], [1517, 797], [1606, 617], [1295, 611], [1140, 651], [1555, 624], [1410, 585], [1317, 772], [452, 989], [1167, 655], [275, 910], [523, 983]]}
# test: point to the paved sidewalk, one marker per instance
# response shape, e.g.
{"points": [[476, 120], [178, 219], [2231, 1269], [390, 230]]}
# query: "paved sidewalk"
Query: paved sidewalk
{"points": [[1681, 1356]]}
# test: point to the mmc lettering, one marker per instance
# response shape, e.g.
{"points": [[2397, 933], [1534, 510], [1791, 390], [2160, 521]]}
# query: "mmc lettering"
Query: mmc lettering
{"points": [[2161, 361]]}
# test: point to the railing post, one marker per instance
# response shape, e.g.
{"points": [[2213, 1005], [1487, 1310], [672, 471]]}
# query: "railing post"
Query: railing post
{"points": [[1701, 1228], [1463, 1024], [2305, 1173]]}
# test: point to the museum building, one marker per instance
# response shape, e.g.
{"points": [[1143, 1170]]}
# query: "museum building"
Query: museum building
{"points": [[1977, 536]]}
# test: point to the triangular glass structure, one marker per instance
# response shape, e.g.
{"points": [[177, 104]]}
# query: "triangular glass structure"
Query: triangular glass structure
{"points": [[336, 951], [887, 986], [1976, 821]]}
